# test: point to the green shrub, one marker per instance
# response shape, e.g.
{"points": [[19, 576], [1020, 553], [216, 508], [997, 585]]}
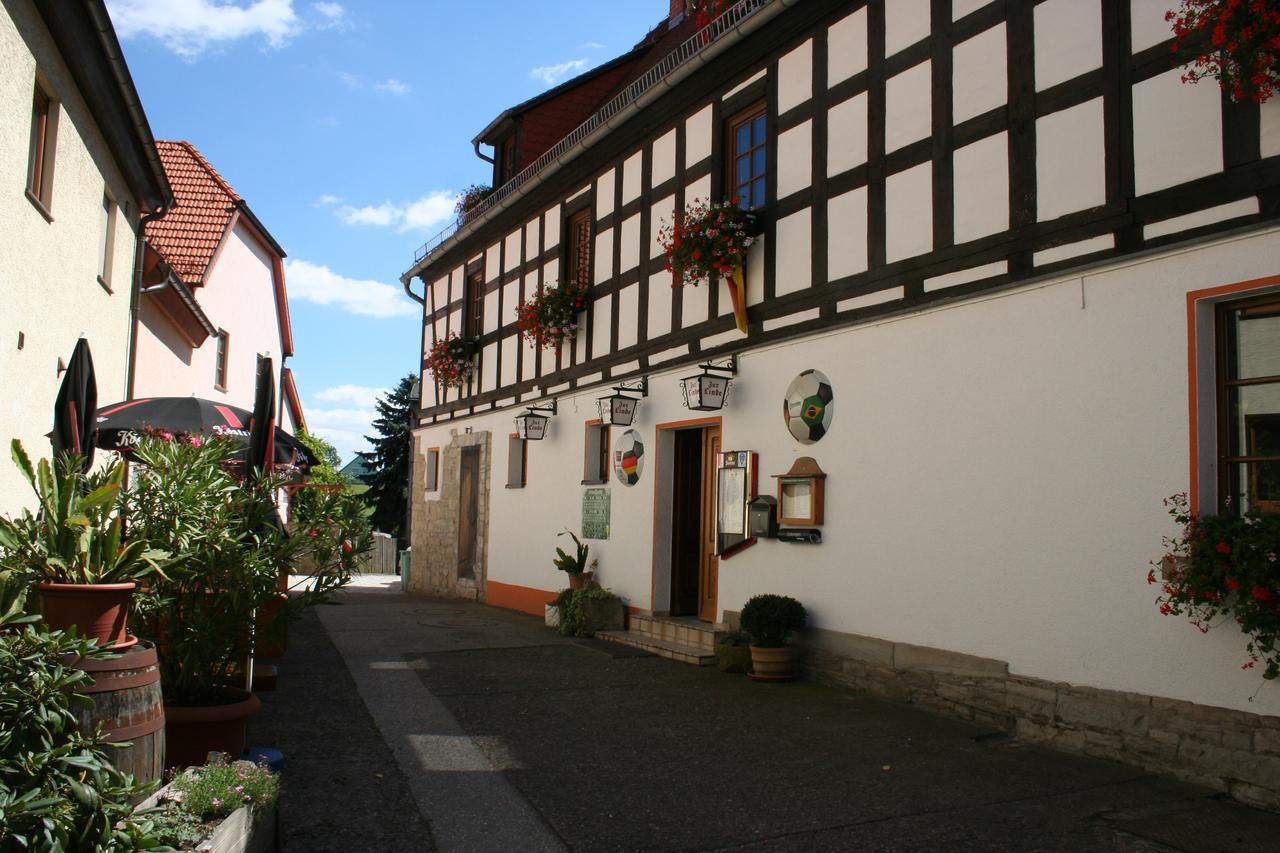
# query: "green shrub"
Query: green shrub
{"points": [[573, 616], [576, 564], [58, 791], [769, 619]]}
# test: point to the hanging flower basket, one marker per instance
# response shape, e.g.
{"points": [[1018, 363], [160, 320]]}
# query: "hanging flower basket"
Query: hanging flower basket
{"points": [[1221, 569], [450, 360], [706, 239], [549, 317], [470, 197], [1237, 42], [706, 11]]}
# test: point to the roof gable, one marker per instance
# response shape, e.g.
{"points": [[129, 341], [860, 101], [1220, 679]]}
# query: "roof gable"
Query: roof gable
{"points": [[188, 236]]}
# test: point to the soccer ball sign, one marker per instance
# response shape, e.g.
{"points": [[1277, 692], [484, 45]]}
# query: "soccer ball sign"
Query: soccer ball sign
{"points": [[628, 458], [807, 408]]}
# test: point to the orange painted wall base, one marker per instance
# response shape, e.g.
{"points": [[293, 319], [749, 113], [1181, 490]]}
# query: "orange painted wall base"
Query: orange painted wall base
{"points": [[523, 598]]}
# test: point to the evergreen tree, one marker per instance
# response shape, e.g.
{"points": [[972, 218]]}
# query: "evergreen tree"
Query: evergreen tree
{"points": [[389, 462]]}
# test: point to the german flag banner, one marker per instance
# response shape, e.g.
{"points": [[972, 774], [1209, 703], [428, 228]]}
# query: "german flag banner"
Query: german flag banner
{"points": [[738, 293]]}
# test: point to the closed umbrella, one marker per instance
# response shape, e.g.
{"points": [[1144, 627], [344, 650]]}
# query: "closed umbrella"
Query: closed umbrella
{"points": [[76, 408], [262, 425]]}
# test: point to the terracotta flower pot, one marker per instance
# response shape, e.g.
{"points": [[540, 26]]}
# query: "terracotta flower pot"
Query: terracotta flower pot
{"points": [[99, 611], [581, 579], [191, 733], [772, 664]]}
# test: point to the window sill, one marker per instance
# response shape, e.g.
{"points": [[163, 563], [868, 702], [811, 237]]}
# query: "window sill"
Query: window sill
{"points": [[39, 205], [222, 388], [595, 482], [105, 285], [509, 486]]}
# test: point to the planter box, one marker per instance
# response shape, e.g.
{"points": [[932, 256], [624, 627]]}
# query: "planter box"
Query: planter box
{"points": [[246, 830], [551, 616], [603, 615]]}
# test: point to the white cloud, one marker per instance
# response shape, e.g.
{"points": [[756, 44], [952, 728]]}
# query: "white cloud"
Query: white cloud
{"points": [[355, 395], [344, 428], [350, 80], [393, 86], [318, 284], [333, 13], [326, 200], [189, 27], [552, 74], [428, 213], [593, 45]]}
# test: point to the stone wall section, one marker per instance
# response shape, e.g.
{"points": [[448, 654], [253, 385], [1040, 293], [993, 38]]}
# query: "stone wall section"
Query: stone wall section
{"points": [[434, 522], [1230, 751]]}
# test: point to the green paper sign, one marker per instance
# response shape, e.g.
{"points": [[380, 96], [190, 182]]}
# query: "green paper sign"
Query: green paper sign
{"points": [[595, 514]]}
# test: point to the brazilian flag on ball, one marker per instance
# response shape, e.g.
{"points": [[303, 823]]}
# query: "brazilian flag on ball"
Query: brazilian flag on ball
{"points": [[807, 408]]}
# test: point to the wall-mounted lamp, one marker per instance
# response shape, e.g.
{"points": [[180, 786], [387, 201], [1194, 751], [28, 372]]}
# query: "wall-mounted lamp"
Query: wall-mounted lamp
{"points": [[619, 408], [707, 391], [532, 425]]}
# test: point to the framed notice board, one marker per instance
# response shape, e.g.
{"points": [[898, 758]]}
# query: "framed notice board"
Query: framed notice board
{"points": [[735, 489], [595, 514]]}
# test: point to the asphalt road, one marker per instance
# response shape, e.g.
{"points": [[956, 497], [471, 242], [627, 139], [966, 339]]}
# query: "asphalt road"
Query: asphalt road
{"points": [[420, 724]]}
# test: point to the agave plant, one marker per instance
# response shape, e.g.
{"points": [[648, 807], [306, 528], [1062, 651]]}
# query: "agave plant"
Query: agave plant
{"points": [[576, 564], [77, 533]]}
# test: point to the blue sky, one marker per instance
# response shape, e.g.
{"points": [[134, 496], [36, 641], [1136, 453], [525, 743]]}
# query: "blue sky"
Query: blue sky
{"points": [[346, 126]]}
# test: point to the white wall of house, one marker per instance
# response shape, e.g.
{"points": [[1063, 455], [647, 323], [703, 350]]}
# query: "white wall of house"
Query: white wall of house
{"points": [[240, 297], [996, 469], [49, 269]]}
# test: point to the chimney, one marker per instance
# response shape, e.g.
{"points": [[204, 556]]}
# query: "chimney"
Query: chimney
{"points": [[678, 10]]}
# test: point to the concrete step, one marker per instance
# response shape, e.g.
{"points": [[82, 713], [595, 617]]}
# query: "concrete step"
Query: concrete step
{"points": [[680, 630], [663, 648]]}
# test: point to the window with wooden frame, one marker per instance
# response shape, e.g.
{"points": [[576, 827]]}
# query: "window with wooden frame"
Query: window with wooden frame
{"points": [[473, 304], [44, 133], [578, 240], [517, 461], [106, 249], [1248, 362], [506, 160], [220, 360], [747, 156], [595, 469], [432, 478]]}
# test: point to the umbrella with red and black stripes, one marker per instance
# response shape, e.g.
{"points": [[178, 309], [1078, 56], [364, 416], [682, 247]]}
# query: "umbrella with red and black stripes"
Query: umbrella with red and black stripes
{"points": [[122, 425]]}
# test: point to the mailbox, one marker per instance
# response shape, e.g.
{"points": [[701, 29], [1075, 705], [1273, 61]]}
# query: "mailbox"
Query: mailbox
{"points": [[764, 517]]}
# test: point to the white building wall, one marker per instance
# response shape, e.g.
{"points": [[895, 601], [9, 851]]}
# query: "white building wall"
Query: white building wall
{"points": [[49, 270], [239, 297], [996, 468]]}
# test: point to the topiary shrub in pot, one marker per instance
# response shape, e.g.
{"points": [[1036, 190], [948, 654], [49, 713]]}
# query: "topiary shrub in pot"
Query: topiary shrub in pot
{"points": [[770, 620]]}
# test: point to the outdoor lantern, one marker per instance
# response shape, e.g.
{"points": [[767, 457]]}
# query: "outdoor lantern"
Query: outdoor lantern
{"points": [[619, 408], [532, 425], [707, 391]]}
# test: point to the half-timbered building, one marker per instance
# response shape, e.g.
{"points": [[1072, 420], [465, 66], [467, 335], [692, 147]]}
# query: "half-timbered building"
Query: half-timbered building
{"points": [[1039, 277]]}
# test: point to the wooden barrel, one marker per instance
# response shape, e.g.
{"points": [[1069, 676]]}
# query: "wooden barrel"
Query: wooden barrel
{"points": [[129, 706]]}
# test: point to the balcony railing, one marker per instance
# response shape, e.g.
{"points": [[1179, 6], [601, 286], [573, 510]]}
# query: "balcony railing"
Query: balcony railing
{"points": [[708, 35]]}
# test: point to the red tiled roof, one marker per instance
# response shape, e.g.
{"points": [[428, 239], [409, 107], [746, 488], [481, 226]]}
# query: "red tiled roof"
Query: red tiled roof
{"points": [[189, 234]]}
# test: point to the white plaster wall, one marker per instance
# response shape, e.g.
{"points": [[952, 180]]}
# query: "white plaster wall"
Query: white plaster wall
{"points": [[48, 270], [240, 298], [995, 475]]}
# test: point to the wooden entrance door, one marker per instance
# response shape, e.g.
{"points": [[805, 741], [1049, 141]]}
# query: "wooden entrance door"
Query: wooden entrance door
{"points": [[708, 561], [468, 511]]}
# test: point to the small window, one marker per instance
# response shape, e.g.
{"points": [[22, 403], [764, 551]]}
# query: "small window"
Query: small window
{"points": [[473, 305], [44, 133], [748, 159], [433, 469], [517, 461], [220, 362], [506, 160], [1249, 405], [578, 262], [106, 250], [596, 454]]}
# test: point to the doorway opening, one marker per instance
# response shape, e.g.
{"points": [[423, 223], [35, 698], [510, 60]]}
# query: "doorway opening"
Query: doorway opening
{"points": [[692, 566]]}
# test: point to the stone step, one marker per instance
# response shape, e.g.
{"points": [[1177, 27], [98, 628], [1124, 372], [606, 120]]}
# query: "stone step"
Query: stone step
{"points": [[682, 631], [663, 648]]}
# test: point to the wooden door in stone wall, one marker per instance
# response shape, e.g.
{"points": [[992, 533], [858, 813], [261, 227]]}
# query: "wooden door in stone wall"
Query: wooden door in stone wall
{"points": [[468, 511], [708, 561]]}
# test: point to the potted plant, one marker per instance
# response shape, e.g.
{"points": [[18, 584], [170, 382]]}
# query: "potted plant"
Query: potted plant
{"points": [[770, 620], [470, 197], [73, 548], [708, 239], [1237, 43], [228, 550], [587, 609], [58, 788], [733, 652], [1225, 565], [549, 317], [223, 805], [449, 360], [574, 565]]}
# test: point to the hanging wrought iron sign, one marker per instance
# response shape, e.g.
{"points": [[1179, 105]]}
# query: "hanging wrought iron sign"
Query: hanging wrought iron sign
{"points": [[708, 391], [620, 408], [532, 424]]}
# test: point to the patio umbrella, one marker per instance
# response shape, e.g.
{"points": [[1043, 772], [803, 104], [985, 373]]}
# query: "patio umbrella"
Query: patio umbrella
{"points": [[76, 408], [262, 425], [121, 425]]}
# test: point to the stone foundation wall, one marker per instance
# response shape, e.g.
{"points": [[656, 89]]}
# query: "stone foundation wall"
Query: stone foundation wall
{"points": [[434, 522], [1231, 751]]}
